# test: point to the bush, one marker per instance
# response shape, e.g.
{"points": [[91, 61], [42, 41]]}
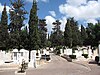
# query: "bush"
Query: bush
{"points": [[57, 50], [72, 56], [97, 59], [85, 55]]}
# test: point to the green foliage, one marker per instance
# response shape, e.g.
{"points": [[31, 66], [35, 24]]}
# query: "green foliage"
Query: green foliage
{"points": [[23, 67], [4, 36], [57, 50], [72, 56], [68, 34], [56, 37], [34, 36], [24, 38], [83, 35], [72, 36], [43, 32], [97, 59], [93, 32], [85, 55], [17, 17]]}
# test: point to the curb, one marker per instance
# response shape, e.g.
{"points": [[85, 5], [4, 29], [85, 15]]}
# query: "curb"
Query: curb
{"points": [[82, 64]]}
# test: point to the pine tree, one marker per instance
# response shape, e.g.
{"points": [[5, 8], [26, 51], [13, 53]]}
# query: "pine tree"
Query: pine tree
{"points": [[33, 28], [56, 37], [4, 36], [17, 18], [68, 34]]}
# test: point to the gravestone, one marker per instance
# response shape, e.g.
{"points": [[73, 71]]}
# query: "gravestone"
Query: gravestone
{"points": [[44, 51], [61, 52], [8, 57], [15, 56], [99, 52], [69, 51], [24, 54], [89, 52], [85, 51], [2, 57], [51, 49], [32, 62]]}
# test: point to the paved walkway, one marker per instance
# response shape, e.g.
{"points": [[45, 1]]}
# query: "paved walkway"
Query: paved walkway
{"points": [[60, 66]]}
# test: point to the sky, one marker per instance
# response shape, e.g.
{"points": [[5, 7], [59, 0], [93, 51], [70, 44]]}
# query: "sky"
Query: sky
{"points": [[83, 11]]}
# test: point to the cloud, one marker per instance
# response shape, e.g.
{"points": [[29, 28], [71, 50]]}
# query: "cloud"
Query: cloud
{"points": [[81, 9], [92, 21], [52, 13], [63, 21], [2, 7], [45, 0], [49, 21], [38, 0], [76, 2]]}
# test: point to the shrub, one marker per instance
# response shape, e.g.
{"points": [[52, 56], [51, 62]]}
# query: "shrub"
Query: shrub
{"points": [[97, 59], [57, 51], [85, 55], [72, 56], [23, 67]]}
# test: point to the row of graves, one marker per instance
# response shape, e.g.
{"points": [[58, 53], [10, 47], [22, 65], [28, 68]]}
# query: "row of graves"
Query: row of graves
{"points": [[16, 57], [81, 53]]}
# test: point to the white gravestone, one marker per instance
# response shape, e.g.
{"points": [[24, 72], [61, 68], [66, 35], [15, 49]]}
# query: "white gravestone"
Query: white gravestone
{"points": [[44, 51], [15, 56], [61, 52], [69, 51], [89, 53], [8, 57], [24, 54], [85, 51], [2, 57], [99, 52], [32, 62], [47, 53], [51, 49]]}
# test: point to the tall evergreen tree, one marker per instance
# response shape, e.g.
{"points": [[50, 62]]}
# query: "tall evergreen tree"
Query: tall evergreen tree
{"points": [[57, 35], [33, 28], [17, 17], [83, 35], [91, 36], [43, 32], [4, 36], [72, 34], [68, 34], [25, 38], [75, 32]]}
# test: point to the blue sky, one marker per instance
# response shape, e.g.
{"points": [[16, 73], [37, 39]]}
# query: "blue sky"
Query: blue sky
{"points": [[84, 11]]}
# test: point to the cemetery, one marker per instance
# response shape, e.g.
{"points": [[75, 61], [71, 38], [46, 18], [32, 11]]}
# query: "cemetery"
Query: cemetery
{"points": [[28, 43]]}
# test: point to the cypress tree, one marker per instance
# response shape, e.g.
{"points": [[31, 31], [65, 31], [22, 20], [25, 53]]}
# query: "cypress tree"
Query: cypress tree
{"points": [[33, 28], [68, 34], [4, 36], [83, 35], [75, 32]]}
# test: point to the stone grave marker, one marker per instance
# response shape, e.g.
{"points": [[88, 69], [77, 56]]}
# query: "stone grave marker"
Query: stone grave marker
{"points": [[69, 51], [15, 56], [32, 62]]}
